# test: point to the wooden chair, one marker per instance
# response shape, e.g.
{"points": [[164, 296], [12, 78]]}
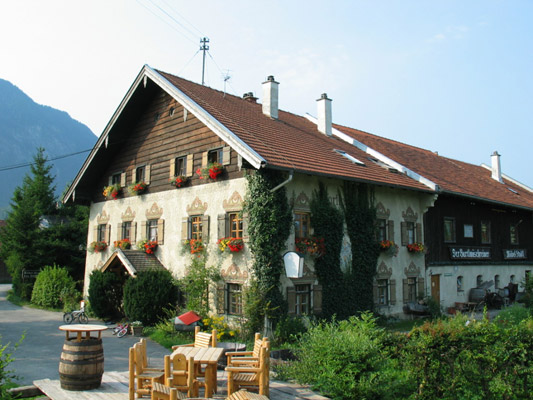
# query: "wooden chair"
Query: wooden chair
{"points": [[141, 381], [251, 376], [201, 339], [247, 357], [144, 358], [163, 392], [245, 395], [180, 374]]}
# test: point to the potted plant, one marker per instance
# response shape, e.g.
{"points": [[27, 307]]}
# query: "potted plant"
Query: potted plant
{"points": [[123, 244], [97, 247], [416, 248], [179, 181], [137, 188], [136, 328], [312, 246], [112, 191], [388, 247], [193, 246], [229, 244], [148, 246], [212, 171]]}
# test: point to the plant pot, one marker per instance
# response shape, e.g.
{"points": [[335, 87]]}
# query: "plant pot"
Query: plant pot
{"points": [[137, 330]]}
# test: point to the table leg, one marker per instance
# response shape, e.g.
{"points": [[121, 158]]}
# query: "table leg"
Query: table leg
{"points": [[210, 380]]}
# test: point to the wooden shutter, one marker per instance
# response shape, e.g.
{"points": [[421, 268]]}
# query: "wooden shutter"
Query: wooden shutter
{"points": [[221, 299], [405, 237], [405, 291], [133, 238], [226, 155], [108, 234], [119, 231], [419, 233], [375, 292], [143, 230], [420, 289], [391, 230], [245, 221], [123, 179], [172, 168], [291, 300], [184, 228], [147, 174], [189, 166], [317, 299], [204, 159], [205, 228], [392, 292], [160, 231], [221, 225]]}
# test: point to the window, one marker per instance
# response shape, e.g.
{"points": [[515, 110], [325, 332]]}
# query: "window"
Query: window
{"points": [[101, 233], [302, 304], [301, 224], [235, 225], [382, 229], [116, 178], [151, 229], [512, 279], [215, 156], [411, 289], [126, 230], [180, 166], [411, 236], [449, 230], [485, 232], [383, 292], [479, 280], [514, 234], [468, 231], [140, 173], [234, 301], [196, 227], [459, 284], [496, 281]]}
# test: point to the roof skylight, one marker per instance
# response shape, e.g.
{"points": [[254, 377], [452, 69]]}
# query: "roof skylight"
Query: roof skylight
{"points": [[349, 157]]}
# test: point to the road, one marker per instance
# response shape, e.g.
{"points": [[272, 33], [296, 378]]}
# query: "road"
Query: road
{"points": [[37, 357]]}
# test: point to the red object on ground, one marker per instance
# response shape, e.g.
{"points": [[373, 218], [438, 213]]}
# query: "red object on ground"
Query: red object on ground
{"points": [[189, 317]]}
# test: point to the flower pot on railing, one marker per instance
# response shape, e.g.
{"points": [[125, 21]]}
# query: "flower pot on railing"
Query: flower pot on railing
{"points": [[416, 248], [312, 246], [179, 181], [193, 246], [137, 188], [212, 171], [123, 244], [388, 248], [97, 247], [230, 245], [112, 191], [148, 246]]}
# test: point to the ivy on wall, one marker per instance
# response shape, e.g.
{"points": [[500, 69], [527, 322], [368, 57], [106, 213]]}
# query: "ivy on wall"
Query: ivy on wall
{"points": [[270, 219], [360, 216], [327, 222]]}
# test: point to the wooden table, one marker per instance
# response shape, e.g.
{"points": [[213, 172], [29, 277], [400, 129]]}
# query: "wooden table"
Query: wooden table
{"points": [[80, 329], [204, 355]]}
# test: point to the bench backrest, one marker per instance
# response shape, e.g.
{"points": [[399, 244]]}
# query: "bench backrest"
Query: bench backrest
{"points": [[204, 339]]}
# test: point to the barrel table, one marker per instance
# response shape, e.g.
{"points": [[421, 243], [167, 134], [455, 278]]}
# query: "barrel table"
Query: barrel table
{"points": [[82, 360]]}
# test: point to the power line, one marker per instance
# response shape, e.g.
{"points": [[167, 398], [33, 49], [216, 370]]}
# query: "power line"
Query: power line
{"points": [[27, 164], [183, 18]]}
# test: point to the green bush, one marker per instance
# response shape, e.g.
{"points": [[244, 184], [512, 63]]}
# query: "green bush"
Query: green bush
{"points": [[6, 375], [350, 359], [49, 285], [105, 295], [512, 315], [149, 295], [289, 329]]}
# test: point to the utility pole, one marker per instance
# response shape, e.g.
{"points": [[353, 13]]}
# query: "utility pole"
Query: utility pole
{"points": [[204, 47]]}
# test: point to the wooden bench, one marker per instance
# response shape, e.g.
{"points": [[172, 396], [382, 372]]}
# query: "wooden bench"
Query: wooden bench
{"points": [[251, 375], [246, 395], [163, 392]]}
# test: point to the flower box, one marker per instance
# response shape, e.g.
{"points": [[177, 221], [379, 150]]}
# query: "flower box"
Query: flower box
{"points": [[416, 248], [179, 181], [123, 244], [212, 171], [137, 188], [229, 244], [193, 246], [388, 247], [112, 191], [148, 246], [136, 328], [312, 246], [97, 247]]}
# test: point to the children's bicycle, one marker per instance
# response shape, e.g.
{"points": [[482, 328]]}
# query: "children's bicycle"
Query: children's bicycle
{"points": [[121, 329], [80, 315]]}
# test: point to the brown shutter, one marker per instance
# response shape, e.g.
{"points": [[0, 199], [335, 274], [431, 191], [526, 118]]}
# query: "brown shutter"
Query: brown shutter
{"points": [[184, 228], [221, 299], [221, 224], [375, 292], [391, 230], [421, 291], [189, 166], [147, 174], [172, 168], [133, 235], [392, 291], [204, 159], [123, 179], [405, 291], [160, 231], [226, 155], [119, 231], [108, 234], [143, 230], [405, 237], [205, 228], [291, 300], [419, 233], [317, 299], [245, 221]]}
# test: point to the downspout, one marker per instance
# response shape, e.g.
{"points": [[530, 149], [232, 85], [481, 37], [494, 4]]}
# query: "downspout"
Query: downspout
{"points": [[291, 175]]}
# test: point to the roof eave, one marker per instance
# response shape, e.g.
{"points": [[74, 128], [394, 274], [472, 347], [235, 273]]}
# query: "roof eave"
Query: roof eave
{"points": [[484, 199]]}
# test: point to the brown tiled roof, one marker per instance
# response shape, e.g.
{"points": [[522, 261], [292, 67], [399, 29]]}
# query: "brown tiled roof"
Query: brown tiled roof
{"points": [[138, 260], [452, 176], [290, 142]]}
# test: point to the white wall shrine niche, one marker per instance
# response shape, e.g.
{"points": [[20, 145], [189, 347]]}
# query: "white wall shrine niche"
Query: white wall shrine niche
{"points": [[197, 207], [154, 212]]}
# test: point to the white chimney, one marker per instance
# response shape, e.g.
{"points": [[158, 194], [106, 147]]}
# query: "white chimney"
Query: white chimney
{"points": [[270, 97], [496, 167], [324, 114]]}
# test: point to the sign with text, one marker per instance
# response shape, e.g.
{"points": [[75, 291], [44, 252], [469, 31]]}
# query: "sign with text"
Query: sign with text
{"points": [[30, 273], [470, 253], [514, 254]]}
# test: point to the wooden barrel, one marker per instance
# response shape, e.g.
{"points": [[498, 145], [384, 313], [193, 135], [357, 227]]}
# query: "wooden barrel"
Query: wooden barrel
{"points": [[82, 364]]}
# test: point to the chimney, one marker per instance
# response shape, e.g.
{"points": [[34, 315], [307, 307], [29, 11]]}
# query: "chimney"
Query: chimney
{"points": [[270, 97], [324, 114], [249, 96], [496, 167]]}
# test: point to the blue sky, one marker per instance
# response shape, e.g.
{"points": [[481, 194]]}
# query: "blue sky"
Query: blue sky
{"points": [[449, 76]]}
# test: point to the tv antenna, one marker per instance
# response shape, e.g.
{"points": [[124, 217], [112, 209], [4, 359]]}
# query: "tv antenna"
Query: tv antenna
{"points": [[204, 47], [226, 76]]}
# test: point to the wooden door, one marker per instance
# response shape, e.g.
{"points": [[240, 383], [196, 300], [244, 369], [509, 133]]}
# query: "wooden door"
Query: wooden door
{"points": [[435, 288]]}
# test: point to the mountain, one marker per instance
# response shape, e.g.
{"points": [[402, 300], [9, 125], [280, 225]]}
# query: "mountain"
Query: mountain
{"points": [[25, 126]]}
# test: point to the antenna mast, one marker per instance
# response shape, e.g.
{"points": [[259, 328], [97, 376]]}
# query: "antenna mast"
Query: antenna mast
{"points": [[204, 47]]}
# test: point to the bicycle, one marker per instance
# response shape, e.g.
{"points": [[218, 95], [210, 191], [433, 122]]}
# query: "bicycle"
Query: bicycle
{"points": [[121, 329], [80, 315]]}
